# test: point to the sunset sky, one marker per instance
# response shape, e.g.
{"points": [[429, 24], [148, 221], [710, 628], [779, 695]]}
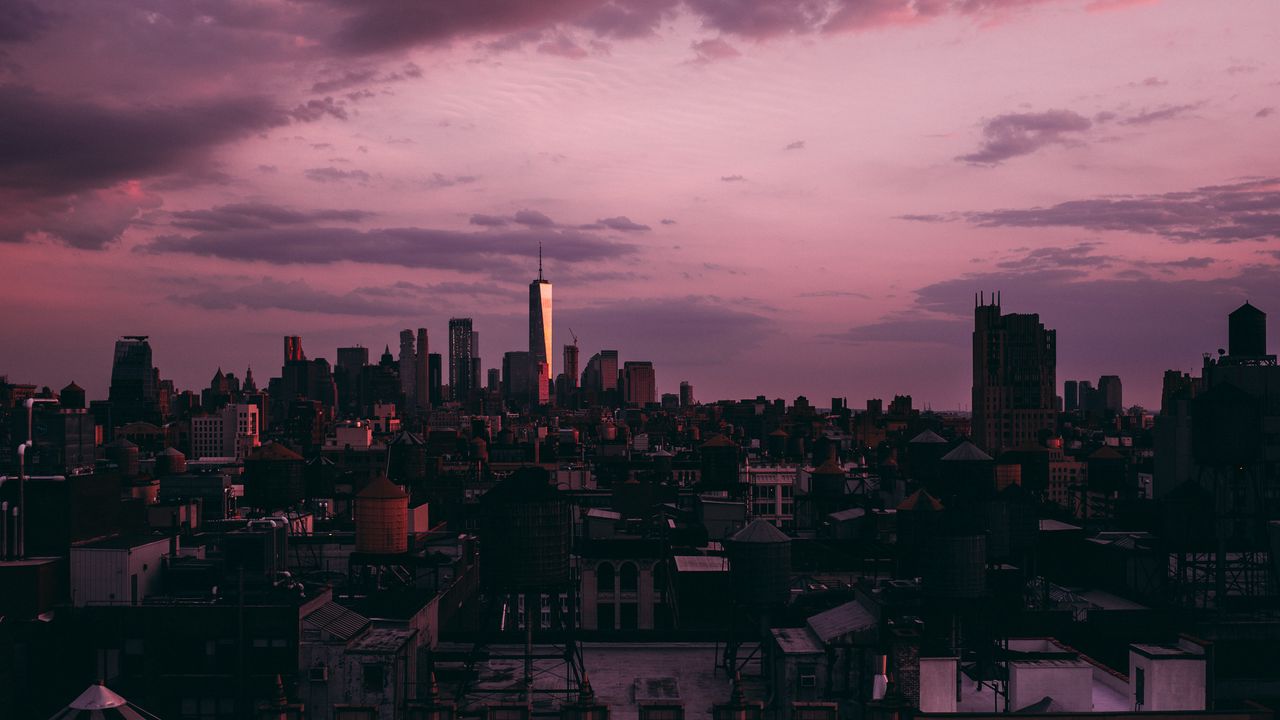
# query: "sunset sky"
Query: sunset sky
{"points": [[760, 196]]}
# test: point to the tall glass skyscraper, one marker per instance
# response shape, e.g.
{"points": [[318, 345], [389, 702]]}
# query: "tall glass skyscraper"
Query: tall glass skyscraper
{"points": [[540, 320], [460, 369]]}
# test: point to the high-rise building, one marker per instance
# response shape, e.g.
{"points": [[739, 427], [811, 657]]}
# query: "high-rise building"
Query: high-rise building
{"points": [[230, 432], [540, 320], [1014, 377], [495, 380], [293, 348], [460, 366], [421, 372], [435, 380], [1070, 396], [351, 362], [601, 373], [686, 394], [571, 365], [408, 373], [517, 382], [638, 383], [1110, 394], [134, 394]]}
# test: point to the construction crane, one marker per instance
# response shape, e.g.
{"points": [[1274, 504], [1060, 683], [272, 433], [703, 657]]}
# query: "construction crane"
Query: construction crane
{"points": [[573, 335]]}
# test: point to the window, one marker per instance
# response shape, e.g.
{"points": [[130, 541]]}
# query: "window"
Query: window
{"points": [[373, 677], [604, 578], [629, 617], [604, 616], [629, 577], [1139, 687]]}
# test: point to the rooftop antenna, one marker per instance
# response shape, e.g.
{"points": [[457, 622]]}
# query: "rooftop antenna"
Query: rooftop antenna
{"points": [[539, 260]]}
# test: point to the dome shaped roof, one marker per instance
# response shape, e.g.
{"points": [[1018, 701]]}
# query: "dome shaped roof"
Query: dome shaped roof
{"points": [[966, 452], [760, 531], [273, 451], [381, 489]]}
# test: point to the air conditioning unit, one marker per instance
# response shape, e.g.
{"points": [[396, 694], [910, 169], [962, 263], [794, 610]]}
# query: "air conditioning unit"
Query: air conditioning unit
{"points": [[319, 673], [808, 680]]}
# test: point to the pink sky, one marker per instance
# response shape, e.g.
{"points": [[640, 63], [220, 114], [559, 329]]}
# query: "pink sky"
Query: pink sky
{"points": [[760, 196]]}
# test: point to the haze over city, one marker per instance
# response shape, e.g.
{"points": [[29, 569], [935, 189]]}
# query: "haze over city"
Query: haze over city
{"points": [[760, 197]]}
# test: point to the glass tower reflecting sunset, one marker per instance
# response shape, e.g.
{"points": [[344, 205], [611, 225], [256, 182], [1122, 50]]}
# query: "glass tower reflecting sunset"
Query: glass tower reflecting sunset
{"points": [[540, 320]]}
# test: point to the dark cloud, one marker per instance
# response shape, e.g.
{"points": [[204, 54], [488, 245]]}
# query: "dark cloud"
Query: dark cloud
{"points": [[1248, 210], [493, 251], [21, 21], [382, 25], [1080, 256], [1010, 135], [533, 218], [439, 180], [489, 220], [732, 178], [668, 221], [54, 146], [248, 216], [797, 145], [1264, 112], [317, 108], [333, 174], [925, 217], [623, 223], [350, 78], [1168, 112]]}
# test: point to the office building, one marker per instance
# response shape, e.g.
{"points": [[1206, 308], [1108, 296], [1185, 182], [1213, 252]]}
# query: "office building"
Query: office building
{"points": [[351, 361], [1110, 394], [134, 391], [1070, 396], [435, 379], [1014, 377], [232, 432], [421, 372], [638, 383], [408, 373], [293, 348], [517, 378], [460, 366], [686, 394], [601, 374], [540, 321]]}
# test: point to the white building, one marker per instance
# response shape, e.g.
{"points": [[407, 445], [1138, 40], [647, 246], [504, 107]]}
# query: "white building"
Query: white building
{"points": [[117, 571], [231, 432], [772, 492]]}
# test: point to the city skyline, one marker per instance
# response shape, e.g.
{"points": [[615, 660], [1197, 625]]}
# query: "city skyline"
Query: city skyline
{"points": [[758, 201]]}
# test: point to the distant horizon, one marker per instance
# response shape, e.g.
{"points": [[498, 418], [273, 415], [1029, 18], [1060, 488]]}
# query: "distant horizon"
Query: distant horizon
{"points": [[795, 198]]}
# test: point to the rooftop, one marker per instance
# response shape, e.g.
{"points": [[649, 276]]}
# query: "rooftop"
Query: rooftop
{"points": [[381, 641], [701, 563]]}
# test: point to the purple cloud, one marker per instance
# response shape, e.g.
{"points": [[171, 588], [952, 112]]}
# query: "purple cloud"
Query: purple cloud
{"points": [[1014, 134], [1248, 210]]}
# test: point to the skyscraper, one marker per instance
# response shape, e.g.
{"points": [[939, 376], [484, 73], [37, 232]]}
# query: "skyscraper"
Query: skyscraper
{"points": [[686, 394], [571, 365], [1014, 377], [434, 379], [134, 393], [1070, 396], [421, 382], [408, 373], [540, 322], [638, 383], [460, 369], [293, 348]]}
